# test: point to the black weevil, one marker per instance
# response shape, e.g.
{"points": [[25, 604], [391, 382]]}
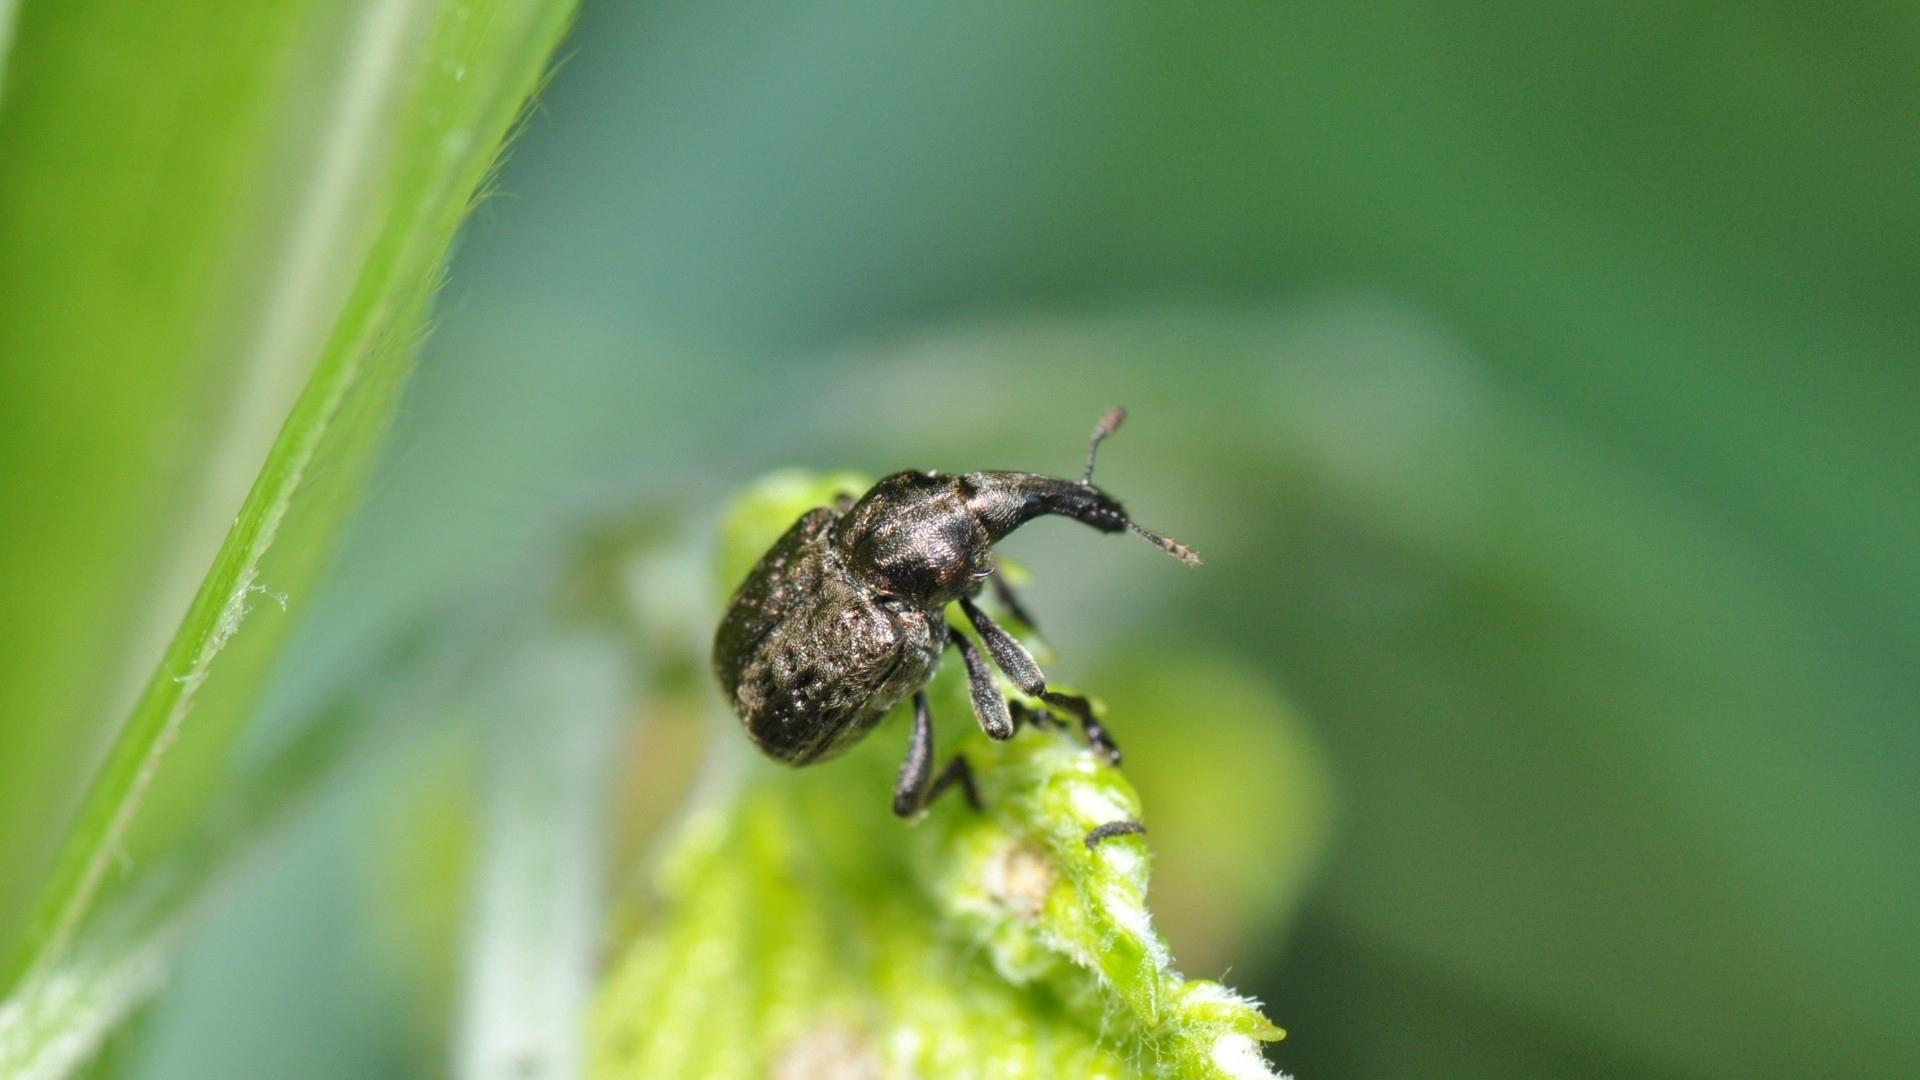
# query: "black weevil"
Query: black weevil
{"points": [[845, 616]]}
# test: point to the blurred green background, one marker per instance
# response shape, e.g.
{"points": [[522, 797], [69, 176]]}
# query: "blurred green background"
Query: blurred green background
{"points": [[1538, 383]]}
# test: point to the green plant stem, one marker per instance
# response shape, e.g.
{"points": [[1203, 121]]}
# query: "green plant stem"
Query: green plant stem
{"points": [[552, 721]]}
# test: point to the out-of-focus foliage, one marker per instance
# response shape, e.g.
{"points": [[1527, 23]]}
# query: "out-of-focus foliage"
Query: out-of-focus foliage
{"points": [[1222, 758], [1537, 384]]}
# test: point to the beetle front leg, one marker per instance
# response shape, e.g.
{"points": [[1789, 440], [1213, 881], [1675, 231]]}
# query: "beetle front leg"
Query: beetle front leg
{"points": [[988, 706], [1018, 663], [1011, 656], [1011, 601], [1039, 718], [1098, 736], [912, 792]]}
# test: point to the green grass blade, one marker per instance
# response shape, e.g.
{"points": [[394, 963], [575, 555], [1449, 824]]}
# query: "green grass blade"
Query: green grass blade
{"points": [[426, 92], [142, 211], [6, 37]]}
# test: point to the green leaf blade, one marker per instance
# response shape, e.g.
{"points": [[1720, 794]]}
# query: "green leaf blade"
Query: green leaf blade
{"points": [[418, 95]]}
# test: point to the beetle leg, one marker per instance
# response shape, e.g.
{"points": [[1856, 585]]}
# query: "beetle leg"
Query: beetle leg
{"points": [[1004, 593], [988, 706], [1039, 718], [1008, 654], [956, 772], [1097, 735], [1014, 659], [912, 792], [909, 792]]}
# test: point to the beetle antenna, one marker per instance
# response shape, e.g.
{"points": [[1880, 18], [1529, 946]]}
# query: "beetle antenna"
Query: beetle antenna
{"points": [[1108, 424], [1165, 543]]}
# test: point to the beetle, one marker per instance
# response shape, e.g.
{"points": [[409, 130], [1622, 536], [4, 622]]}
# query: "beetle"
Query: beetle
{"points": [[845, 616]]}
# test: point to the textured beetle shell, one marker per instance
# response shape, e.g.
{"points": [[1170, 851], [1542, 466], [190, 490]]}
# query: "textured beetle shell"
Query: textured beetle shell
{"points": [[809, 657]]}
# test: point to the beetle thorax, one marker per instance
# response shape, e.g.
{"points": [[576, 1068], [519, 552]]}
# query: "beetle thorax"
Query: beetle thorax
{"points": [[914, 536]]}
